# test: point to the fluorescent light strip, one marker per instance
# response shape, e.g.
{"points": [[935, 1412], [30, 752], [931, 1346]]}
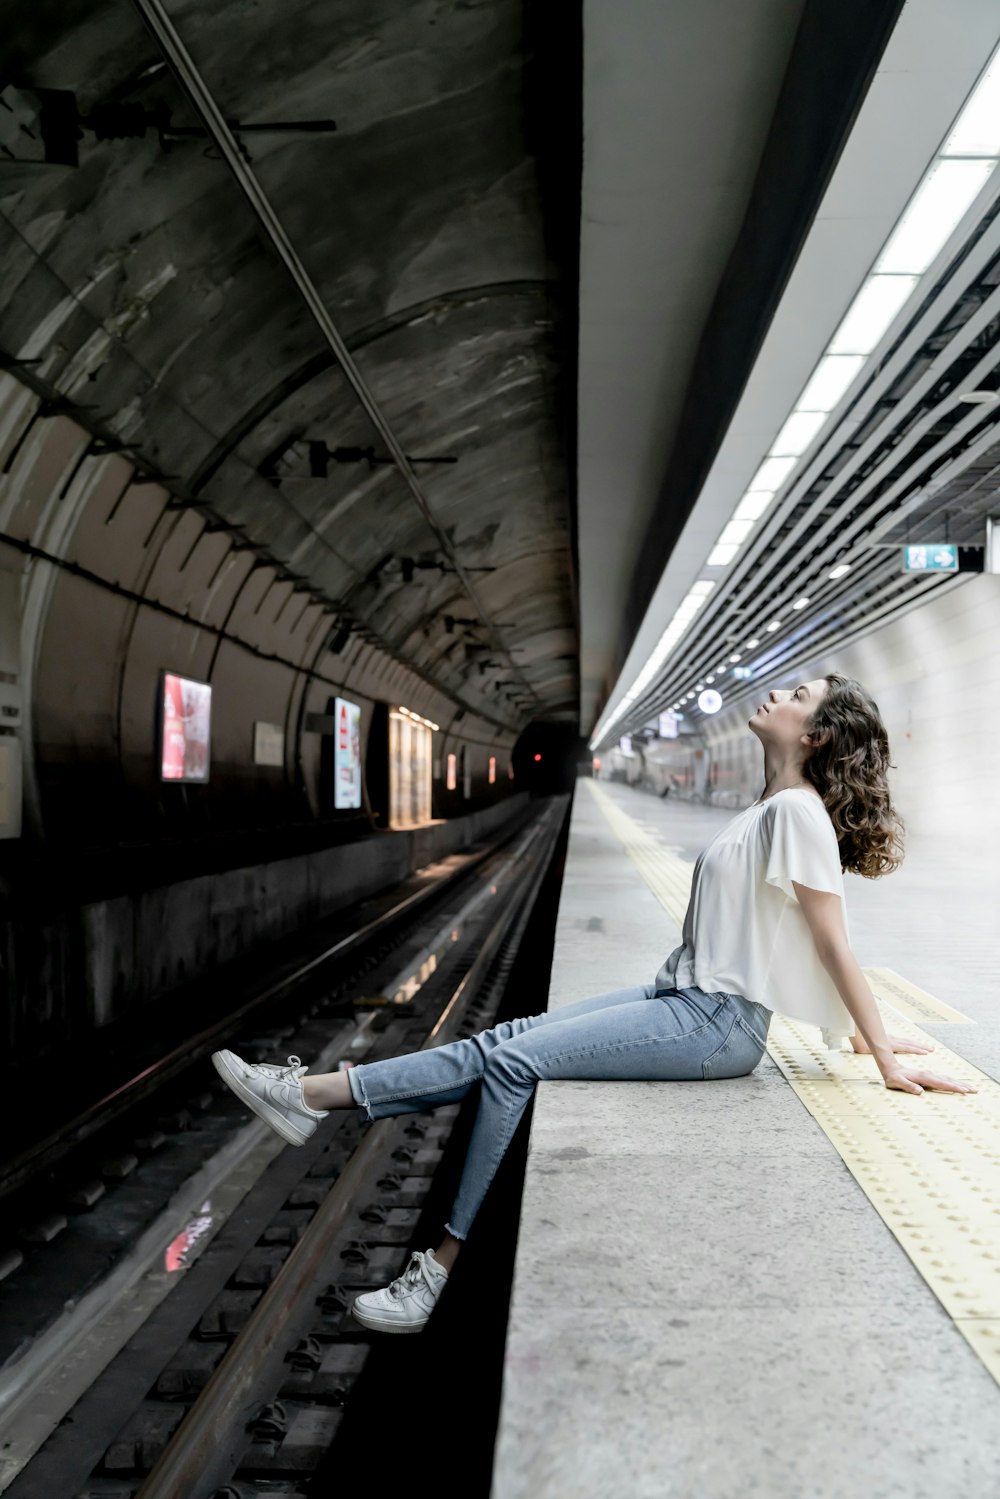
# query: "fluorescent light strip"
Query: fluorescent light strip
{"points": [[945, 193], [797, 433], [976, 132], [873, 310], [752, 505], [684, 614]]}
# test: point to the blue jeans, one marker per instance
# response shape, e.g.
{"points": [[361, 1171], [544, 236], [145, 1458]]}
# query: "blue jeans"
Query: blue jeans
{"points": [[639, 1034]]}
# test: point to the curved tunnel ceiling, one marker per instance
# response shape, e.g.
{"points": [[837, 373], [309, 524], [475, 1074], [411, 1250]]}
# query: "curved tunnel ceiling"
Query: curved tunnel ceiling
{"points": [[140, 289]]}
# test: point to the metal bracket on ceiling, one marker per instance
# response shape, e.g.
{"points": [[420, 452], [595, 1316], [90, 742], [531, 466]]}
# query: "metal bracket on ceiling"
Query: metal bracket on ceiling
{"points": [[51, 406], [321, 456], [51, 118], [151, 476], [268, 466]]}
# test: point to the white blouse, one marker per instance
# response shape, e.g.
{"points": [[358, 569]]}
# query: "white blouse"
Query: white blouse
{"points": [[744, 931]]}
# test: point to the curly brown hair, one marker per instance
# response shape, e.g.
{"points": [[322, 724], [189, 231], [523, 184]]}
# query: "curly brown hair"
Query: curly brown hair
{"points": [[848, 770]]}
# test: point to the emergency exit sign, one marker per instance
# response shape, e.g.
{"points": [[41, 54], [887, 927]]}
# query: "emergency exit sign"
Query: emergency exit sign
{"points": [[931, 557]]}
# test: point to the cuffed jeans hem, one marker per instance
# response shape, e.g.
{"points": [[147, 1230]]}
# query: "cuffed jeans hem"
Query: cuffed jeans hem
{"points": [[359, 1095]]}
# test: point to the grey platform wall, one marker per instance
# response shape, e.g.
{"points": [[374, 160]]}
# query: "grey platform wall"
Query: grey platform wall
{"points": [[139, 947], [935, 674], [70, 970]]}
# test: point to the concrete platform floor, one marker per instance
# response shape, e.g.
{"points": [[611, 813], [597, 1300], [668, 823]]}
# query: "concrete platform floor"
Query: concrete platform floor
{"points": [[705, 1303]]}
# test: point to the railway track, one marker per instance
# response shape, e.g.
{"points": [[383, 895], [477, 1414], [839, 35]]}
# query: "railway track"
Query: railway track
{"points": [[234, 1382], [80, 1192]]}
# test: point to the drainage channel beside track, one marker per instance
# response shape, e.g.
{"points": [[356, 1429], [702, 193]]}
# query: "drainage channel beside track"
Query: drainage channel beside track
{"points": [[234, 1383]]}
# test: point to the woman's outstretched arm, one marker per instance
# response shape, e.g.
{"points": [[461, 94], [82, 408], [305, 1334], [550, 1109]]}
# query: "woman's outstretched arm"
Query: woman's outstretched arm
{"points": [[898, 1043], [824, 913]]}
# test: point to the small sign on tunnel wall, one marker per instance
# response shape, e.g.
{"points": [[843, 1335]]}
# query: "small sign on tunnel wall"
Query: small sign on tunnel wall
{"points": [[268, 744]]}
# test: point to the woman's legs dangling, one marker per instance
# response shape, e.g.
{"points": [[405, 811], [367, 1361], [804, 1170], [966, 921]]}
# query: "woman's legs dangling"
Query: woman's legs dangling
{"points": [[683, 1034], [419, 1079], [441, 1074], [658, 1040]]}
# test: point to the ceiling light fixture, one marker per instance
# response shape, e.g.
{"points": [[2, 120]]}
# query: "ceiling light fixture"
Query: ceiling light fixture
{"points": [[772, 473], [871, 313], [947, 190], [797, 433], [736, 531], [840, 570], [829, 381], [949, 187], [800, 603], [722, 554], [693, 600], [753, 505], [417, 718]]}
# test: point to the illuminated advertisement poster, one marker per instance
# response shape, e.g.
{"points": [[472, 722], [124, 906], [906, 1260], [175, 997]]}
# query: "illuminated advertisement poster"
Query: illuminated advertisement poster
{"points": [[186, 723], [347, 754]]}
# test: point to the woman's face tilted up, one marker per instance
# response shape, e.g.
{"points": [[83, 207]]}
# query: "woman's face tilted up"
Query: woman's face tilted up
{"points": [[782, 719]]}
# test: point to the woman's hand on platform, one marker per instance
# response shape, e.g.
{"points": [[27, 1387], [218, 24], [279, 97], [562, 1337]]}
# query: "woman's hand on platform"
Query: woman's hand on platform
{"points": [[898, 1043], [915, 1080]]}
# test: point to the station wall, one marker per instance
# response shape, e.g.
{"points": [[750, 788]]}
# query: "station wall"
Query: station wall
{"points": [[935, 674]]}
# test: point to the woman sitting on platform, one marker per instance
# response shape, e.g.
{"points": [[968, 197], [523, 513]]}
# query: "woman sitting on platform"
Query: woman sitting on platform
{"points": [[765, 930]]}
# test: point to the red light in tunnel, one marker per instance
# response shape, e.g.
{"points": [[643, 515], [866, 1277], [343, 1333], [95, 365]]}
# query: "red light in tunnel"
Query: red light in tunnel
{"points": [[538, 757]]}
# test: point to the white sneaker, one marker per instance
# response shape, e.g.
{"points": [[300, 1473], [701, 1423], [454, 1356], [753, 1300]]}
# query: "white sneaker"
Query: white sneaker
{"points": [[274, 1093], [406, 1304]]}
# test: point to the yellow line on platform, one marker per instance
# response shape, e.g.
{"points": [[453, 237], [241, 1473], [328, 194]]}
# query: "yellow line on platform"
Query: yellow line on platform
{"points": [[909, 1000], [928, 1165]]}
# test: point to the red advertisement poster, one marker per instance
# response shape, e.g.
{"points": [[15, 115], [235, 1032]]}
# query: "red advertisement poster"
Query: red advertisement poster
{"points": [[187, 708], [347, 754]]}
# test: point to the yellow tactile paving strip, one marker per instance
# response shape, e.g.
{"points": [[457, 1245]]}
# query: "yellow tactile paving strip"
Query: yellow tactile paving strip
{"points": [[907, 999], [929, 1165]]}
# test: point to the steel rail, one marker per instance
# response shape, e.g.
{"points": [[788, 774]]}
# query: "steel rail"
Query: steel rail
{"points": [[44, 1153], [211, 1439], [168, 39]]}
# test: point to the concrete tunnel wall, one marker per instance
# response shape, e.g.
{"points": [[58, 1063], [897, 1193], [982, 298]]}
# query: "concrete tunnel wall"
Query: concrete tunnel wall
{"points": [[121, 887], [91, 655]]}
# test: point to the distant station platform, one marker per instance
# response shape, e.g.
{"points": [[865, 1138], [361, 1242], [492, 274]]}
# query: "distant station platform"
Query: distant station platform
{"points": [[786, 1284]]}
